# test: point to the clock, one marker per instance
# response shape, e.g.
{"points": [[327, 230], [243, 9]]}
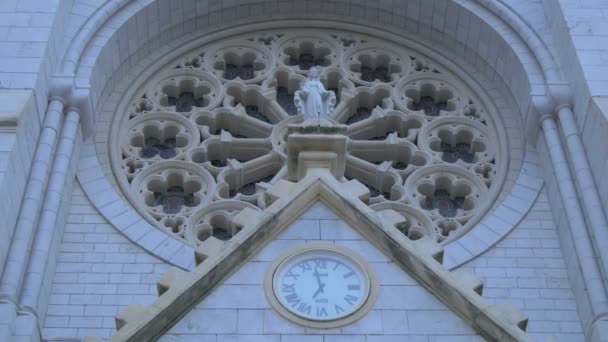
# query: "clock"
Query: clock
{"points": [[320, 285]]}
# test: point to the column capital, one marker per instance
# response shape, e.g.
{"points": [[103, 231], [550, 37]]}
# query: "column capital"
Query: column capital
{"points": [[57, 98], [73, 97], [76, 99], [61, 86], [544, 117], [560, 94], [73, 109], [563, 106]]}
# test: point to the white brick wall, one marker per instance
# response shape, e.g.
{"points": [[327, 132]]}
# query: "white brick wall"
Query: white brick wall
{"points": [[587, 37], [17, 148], [30, 44], [98, 272], [595, 137], [528, 269]]}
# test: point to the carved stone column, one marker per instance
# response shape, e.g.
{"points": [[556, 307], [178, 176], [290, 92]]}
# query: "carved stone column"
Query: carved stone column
{"points": [[592, 293]]}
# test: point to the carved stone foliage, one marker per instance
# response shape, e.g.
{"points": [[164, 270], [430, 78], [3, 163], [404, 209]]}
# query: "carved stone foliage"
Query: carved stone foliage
{"points": [[207, 136]]}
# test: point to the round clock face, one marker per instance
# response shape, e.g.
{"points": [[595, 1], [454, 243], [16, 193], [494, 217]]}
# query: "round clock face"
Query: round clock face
{"points": [[321, 284]]}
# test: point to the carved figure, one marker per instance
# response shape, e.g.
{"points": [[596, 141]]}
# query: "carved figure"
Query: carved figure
{"points": [[315, 102]]}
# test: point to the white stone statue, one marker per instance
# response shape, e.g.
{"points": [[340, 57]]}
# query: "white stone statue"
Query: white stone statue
{"points": [[316, 103]]}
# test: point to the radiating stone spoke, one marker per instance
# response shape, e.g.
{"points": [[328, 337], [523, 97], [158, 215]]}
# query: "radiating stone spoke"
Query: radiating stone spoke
{"points": [[255, 113], [360, 114]]}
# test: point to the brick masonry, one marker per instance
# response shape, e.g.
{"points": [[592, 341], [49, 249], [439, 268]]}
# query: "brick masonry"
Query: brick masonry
{"points": [[527, 269], [99, 272]]}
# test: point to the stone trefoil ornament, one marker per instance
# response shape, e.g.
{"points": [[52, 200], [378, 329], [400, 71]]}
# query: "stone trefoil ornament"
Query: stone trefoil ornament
{"points": [[314, 102]]}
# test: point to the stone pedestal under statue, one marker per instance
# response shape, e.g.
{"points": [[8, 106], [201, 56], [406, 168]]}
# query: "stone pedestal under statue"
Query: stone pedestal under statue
{"points": [[310, 147]]}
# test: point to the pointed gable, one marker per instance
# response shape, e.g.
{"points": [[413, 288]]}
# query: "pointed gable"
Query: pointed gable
{"points": [[181, 291], [404, 309]]}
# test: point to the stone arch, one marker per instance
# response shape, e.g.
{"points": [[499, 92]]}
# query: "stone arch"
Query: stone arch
{"points": [[487, 34], [111, 44]]}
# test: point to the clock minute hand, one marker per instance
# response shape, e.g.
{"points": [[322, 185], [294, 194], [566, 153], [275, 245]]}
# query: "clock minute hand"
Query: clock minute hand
{"points": [[318, 276], [321, 285]]}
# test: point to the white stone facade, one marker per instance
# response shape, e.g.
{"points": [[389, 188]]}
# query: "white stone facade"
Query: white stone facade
{"points": [[78, 249], [238, 309]]}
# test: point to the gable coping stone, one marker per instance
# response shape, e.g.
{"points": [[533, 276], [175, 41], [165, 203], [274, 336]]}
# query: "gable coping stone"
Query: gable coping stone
{"points": [[179, 291]]}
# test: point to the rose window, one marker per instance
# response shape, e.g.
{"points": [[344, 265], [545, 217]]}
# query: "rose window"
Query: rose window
{"points": [[205, 137]]}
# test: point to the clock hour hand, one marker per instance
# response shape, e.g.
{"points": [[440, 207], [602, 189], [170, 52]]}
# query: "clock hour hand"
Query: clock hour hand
{"points": [[321, 285], [319, 290]]}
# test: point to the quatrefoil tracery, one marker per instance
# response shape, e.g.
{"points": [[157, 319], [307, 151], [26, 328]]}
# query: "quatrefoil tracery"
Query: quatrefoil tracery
{"points": [[185, 94], [369, 65], [303, 52], [208, 137], [306, 56]]}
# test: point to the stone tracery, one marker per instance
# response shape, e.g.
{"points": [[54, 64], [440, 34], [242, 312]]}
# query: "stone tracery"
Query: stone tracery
{"points": [[210, 132]]}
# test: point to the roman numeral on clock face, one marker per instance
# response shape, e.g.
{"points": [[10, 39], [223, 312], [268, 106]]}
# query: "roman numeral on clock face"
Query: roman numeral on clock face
{"points": [[321, 312], [305, 266], [350, 299], [293, 299], [320, 263], [304, 308], [288, 287], [292, 275]]}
